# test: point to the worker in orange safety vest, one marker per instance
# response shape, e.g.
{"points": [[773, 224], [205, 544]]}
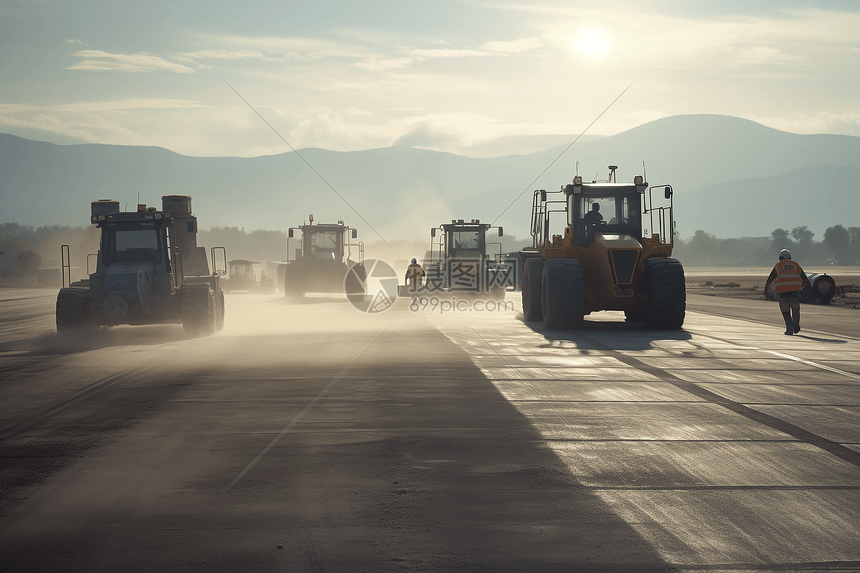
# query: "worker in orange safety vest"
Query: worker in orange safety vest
{"points": [[415, 276], [788, 278]]}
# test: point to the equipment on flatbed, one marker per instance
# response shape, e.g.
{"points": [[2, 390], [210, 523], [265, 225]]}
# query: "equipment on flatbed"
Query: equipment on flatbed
{"points": [[459, 262], [819, 290], [322, 261], [599, 264], [149, 270]]}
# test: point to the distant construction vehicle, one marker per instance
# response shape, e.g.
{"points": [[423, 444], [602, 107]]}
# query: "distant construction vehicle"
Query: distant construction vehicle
{"points": [[606, 258], [242, 276], [322, 261], [461, 263], [148, 270]]}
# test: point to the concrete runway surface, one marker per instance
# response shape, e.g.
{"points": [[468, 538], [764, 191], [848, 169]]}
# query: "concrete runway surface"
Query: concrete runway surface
{"points": [[311, 437]]}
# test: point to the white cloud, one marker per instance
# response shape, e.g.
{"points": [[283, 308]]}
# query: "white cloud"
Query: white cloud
{"points": [[452, 132], [824, 122], [514, 46], [89, 128], [122, 122], [429, 135], [130, 104], [221, 55], [328, 129], [99, 60], [750, 56], [664, 41], [379, 64], [790, 70], [276, 48], [396, 55], [449, 53]]}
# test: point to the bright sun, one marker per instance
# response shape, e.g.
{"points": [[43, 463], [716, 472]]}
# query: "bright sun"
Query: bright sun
{"points": [[593, 44]]}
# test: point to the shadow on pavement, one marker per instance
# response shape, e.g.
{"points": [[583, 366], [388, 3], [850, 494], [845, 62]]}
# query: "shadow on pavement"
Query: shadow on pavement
{"points": [[636, 337], [84, 341], [310, 300], [816, 339], [413, 461]]}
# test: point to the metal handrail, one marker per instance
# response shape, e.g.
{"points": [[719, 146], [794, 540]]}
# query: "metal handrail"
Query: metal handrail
{"points": [[65, 265]]}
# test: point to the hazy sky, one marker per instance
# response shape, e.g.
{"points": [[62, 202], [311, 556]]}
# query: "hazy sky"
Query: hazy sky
{"points": [[447, 75]]}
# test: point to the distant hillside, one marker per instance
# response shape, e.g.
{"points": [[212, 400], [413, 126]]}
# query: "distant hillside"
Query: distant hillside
{"points": [[827, 195], [732, 177]]}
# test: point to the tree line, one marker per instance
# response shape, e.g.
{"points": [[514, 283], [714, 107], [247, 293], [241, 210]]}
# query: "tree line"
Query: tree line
{"points": [[23, 248], [841, 246]]}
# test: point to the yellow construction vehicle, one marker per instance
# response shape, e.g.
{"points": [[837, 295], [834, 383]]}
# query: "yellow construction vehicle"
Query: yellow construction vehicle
{"points": [[614, 254]]}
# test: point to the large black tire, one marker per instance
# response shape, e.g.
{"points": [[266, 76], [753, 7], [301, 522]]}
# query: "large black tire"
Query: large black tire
{"points": [[198, 310], [73, 311], [294, 283], [819, 290], [220, 310], [497, 292], [532, 289], [563, 299], [635, 315], [667, 294], [354, 281]]}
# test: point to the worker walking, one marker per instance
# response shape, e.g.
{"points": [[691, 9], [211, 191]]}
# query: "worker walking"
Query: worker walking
{"points": [[415, 276], [788, 278]]}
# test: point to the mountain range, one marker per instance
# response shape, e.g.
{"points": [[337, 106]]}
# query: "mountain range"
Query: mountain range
{"points": [[732, 178]]}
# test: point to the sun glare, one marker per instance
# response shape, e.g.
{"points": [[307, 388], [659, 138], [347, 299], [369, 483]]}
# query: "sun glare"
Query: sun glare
{"points": [[593, 44]]}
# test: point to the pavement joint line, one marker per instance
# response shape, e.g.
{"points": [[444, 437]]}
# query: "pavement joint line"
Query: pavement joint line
{"points": [[659, 488], [303, 412], [815, 364], [762, 441], [842, 452], [769, 566], [762, 323], [551, 407], [786, 356]]}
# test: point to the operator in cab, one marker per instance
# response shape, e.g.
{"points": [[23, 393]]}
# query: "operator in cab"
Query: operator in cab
{"points": [[788, 278], [593, 217]]}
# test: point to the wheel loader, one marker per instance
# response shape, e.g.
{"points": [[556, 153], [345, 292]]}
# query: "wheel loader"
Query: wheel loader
{"points": [[460, 263], [322, 261], [148, 270], [613, 253]]}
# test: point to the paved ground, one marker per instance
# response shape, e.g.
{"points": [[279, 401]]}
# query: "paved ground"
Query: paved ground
{"points": [[310, 437]]}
